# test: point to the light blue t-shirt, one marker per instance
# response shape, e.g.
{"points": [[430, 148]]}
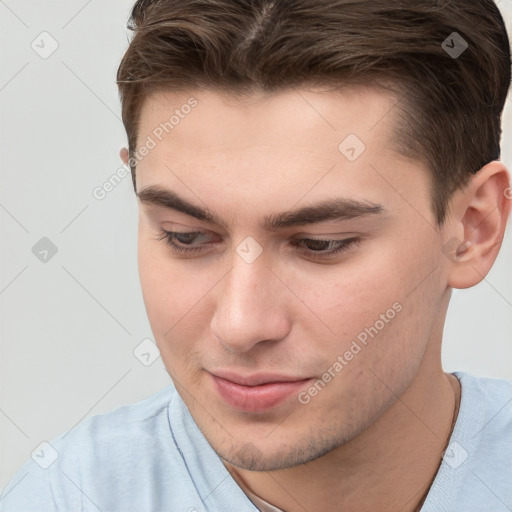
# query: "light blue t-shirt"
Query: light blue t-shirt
{"points": [[151, 457]]}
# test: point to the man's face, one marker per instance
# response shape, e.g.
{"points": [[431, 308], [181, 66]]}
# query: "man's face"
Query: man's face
{"points": [[282, 348]]}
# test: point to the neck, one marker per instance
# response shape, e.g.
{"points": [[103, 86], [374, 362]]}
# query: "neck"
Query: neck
{"points": [[388, 467]]}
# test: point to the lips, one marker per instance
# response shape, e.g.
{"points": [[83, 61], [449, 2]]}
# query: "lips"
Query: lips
{"points": [[256, 393]]}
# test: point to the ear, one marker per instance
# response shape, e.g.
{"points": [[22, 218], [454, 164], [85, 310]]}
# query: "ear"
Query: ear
{"points": [[479, 216], [124, 154]]}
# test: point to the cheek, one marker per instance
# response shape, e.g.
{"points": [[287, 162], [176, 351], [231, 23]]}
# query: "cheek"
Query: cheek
{"points": [[167, 290], [176, 296], [168, 298], [380, 305], [351, 296], [157, 283]]}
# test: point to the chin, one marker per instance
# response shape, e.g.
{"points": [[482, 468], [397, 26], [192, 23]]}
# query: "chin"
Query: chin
{"points": [[277, 452]]}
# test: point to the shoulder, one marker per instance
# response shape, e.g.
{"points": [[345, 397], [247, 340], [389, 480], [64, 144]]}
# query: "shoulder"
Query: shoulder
{"points": [[485, 420], [124, 428], [133, 418], [485, 402], [487, 385], [98, 454], [476, 468]]}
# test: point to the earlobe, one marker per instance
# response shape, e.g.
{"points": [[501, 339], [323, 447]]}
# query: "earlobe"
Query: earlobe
{"points": [[483, 209], [124, 154]]}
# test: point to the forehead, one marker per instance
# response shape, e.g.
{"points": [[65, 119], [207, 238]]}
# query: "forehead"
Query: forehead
{"points": [[270, 116], [272, 147]]}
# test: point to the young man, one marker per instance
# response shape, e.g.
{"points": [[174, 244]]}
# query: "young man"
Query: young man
{"points": [[314, 177]]}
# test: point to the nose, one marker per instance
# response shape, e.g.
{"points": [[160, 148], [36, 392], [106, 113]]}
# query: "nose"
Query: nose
{"points": [[250, 307]]}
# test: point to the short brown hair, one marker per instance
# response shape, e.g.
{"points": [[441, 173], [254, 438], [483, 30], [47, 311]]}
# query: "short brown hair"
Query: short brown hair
{"points": [[450, 108]]}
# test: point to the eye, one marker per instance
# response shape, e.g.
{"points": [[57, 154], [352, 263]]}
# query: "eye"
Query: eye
{"points": [[325, 248], [314, 248], [184, 242]]}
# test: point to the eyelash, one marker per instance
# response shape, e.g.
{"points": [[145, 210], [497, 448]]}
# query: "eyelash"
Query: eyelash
{"points": [[344, 245]]}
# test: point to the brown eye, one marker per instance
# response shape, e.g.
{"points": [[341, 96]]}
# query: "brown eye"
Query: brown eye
{"points": [[325, 248], [184, 241]]}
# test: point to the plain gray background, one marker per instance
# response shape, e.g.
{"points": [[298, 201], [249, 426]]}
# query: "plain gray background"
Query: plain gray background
{"points": [[70, 324]]}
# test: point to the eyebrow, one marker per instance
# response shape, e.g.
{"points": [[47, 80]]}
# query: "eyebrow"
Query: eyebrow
{"points": [[329, 209]]}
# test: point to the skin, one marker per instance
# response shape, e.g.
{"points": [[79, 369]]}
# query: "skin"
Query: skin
{"points": [[373, 437]]}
